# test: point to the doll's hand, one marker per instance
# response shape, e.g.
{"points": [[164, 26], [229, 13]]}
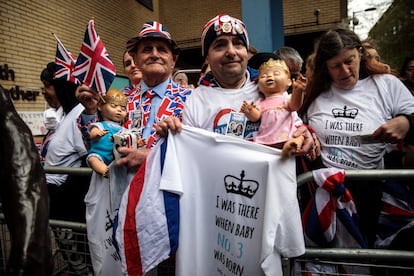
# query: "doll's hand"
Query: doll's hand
{"points": [[292, 146], [101, 132], [299, 84], [247, 107]]}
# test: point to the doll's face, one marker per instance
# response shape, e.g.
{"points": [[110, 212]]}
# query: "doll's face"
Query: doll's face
{"points": [[273, 80], [112, 112]]}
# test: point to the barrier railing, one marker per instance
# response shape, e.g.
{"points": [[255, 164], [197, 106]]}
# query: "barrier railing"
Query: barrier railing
{"points": [[403, 260], [392, 262]]}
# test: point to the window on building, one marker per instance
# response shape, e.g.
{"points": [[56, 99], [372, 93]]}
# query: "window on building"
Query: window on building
{"points": [[147, 4]]}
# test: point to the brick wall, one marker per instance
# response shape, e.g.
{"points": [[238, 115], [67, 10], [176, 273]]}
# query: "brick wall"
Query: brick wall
{"points": [[185, 19], [27, 43], [300, 17]]}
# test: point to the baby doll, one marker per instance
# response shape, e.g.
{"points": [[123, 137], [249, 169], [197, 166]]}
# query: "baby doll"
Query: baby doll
{"points": [[112, 108], [276, 110]]}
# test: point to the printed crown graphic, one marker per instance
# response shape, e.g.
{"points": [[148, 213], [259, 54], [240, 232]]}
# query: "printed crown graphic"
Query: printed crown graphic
{"points": [[241, 186], [344, 113]]}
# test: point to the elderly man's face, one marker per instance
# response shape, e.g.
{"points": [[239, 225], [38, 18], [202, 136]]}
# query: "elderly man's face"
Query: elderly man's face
{"points": [[155, 60]]}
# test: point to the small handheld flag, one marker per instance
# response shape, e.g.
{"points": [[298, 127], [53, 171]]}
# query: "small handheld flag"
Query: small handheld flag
{"points": [[65, 62], [94, 66]]}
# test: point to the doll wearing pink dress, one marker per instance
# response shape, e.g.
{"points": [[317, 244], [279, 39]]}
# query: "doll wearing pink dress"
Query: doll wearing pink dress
{"points": [[276, 109]]}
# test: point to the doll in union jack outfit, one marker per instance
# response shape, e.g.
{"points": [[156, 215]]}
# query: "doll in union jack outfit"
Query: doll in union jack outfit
{"points": [[112, 108]]}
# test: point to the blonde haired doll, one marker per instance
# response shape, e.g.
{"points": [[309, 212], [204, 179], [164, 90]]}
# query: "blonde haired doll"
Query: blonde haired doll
{"points": [[112, 108], [276, 109]]}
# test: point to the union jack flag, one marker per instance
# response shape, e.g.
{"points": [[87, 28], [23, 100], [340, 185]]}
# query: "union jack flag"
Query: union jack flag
{"points": [[330, 218], [94, 66], [65, 63], [397, 214]]}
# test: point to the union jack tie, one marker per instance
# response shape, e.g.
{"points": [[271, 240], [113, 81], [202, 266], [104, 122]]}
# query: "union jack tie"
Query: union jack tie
{"points": [[146, 106]]}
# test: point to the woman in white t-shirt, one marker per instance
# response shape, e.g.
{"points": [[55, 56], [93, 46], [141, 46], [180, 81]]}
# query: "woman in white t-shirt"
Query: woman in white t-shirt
{"points": [[356, 108]]}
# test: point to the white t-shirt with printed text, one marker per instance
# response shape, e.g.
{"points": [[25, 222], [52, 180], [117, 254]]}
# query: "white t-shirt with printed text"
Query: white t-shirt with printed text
{"points": [[210, 107], [338, 116], [238, 208]]}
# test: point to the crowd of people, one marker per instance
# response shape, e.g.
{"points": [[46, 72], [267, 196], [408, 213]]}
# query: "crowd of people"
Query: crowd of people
{"points": [[355, 114]]}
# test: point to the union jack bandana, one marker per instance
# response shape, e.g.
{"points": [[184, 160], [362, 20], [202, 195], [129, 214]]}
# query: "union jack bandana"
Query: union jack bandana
{"points": [[152, 29], [171, 105], [94, 66], [65, 63]]}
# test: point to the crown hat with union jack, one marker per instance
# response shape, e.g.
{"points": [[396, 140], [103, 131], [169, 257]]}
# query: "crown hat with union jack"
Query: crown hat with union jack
{"points": [[220, 25], [152, 29]]}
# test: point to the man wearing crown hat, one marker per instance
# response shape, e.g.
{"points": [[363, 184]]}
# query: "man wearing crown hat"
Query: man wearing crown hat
{"points": [[217, 99], [224, 45]]}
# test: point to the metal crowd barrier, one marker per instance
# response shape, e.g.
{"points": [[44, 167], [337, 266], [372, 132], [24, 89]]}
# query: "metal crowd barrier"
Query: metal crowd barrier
{"points": [[364, 261], [392, 262], [69, 240], [70, 250]]}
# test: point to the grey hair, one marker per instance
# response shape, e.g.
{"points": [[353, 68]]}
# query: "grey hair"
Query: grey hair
{"points": [[289, 53]]}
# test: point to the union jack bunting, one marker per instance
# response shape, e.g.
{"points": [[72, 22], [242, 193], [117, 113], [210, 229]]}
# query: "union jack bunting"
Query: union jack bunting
{"points": [[330, 219], [94, 66], [65, 63]]}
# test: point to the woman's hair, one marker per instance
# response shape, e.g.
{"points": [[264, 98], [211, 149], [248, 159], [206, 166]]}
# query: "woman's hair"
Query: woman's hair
{"points": [[123, 59], [405, 65], [66, 93], [65, 90], [47, 73], [329, 45]]}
